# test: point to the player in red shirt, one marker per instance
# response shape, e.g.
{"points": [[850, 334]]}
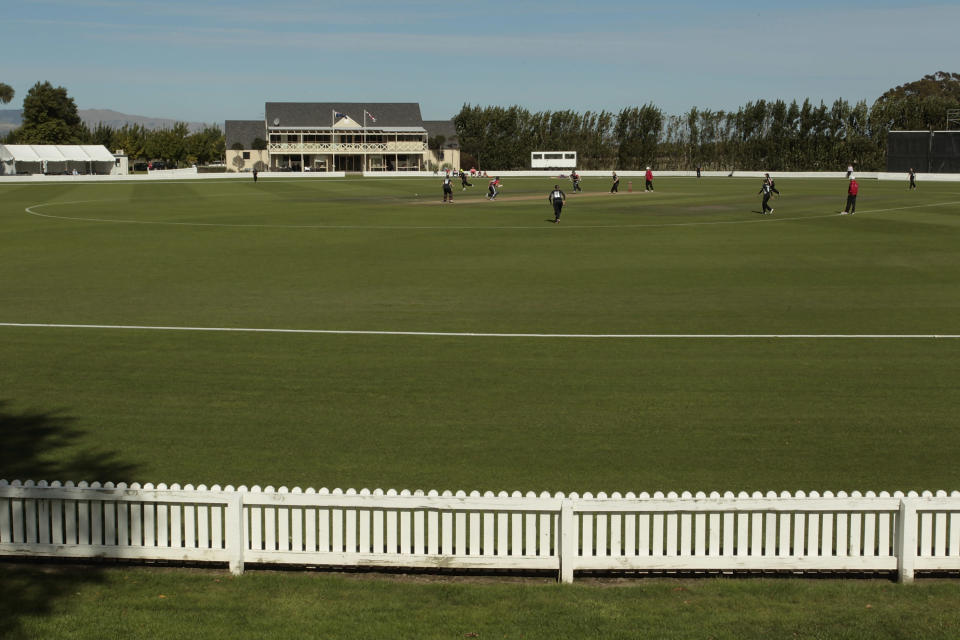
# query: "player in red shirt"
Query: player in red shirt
{"points": [[648, 176], [851, 197], [493, 188]]}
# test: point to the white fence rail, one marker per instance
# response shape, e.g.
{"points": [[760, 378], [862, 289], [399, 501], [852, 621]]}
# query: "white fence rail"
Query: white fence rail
{"points": [[563, 533]]}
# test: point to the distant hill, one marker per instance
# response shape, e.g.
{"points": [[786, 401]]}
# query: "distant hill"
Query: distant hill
{"points": [[12, 118]]}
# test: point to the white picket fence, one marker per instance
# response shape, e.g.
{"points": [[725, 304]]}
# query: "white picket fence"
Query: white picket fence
{"points": [[801, 532]]}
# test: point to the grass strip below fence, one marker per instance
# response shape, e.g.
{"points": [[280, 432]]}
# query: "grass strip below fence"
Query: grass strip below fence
{"points": [[84, 602]]}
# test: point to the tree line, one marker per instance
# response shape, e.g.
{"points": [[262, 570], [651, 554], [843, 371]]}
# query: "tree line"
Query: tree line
{"points": [[50, 116], [761, 134], [764, 134]]}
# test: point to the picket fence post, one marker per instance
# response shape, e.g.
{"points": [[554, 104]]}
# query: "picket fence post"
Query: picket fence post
{"points": [[568, 540], [906, 539], [234, 531]]}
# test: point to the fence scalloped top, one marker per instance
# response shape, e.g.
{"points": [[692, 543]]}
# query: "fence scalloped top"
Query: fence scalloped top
{"points": [[601, 495]]}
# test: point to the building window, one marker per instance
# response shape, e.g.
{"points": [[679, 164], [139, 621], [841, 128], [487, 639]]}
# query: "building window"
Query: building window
{"points": [[246, 155]]}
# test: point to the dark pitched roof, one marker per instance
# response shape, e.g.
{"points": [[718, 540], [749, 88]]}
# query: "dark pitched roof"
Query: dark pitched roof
{"points": [[320, 114], [444, 128], [244, 132]]}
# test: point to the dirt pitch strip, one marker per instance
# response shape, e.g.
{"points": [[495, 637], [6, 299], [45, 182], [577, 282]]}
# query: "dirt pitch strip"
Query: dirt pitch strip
{"points": [[530, 198]]}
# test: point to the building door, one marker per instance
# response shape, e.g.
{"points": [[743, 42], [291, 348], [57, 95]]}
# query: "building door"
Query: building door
{"points": [[348, 163]]}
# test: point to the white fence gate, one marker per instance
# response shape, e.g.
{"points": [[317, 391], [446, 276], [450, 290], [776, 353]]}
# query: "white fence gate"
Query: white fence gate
{"points": [[563, 533]]}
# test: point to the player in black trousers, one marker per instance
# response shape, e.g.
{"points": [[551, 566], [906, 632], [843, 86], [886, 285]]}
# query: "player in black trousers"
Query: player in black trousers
{"points": [[556, 198], [852, 191], [766, 189], [913, 179], [447, 190], [615, 187], [463, 181]]}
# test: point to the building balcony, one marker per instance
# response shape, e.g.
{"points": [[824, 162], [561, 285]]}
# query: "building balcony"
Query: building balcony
{"points": [[350, 147]]}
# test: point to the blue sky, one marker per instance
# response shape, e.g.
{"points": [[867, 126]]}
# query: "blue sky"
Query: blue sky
{"points": [[212, 60]]}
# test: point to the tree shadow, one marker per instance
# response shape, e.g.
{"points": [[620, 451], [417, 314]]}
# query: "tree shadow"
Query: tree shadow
{"points": [[46, 445]]}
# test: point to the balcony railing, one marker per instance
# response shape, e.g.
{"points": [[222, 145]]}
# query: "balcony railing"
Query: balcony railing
{"points": [[346, 147]]}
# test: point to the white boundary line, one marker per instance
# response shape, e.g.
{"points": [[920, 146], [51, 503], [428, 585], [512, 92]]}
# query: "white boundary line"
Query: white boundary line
{"points": [[465, 334], [31, 211]]}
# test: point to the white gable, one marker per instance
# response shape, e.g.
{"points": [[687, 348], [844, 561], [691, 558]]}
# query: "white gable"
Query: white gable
{"points": [[346, 122]]}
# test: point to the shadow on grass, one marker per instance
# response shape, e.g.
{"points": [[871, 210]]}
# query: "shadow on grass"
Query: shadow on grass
{"points": [[46, 446]]}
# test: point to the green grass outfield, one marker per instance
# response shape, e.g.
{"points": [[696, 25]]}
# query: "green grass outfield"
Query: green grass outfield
{"points": [[134, 603], [486, 413]]}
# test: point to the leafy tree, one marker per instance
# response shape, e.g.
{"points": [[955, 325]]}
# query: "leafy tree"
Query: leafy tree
{"points": [[763, 134], [103, 134], [50, 117], [132, 139], [238, 161], [918, 105], [205, 145], [237, 146], [938, 85], [6, 93], [638, 131], [168, 144], [259, 144], [218, 143]]}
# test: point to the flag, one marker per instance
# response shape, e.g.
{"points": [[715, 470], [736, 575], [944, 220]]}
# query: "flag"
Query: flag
{"points": [[367, 114]]}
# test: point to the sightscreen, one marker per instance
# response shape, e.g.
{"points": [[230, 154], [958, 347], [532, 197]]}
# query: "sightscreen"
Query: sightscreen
{"points": [[945, 152], [924, 151]]}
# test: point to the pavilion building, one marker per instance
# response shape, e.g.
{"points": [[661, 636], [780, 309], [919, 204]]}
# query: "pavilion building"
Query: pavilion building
{"points": [[332, 136]]}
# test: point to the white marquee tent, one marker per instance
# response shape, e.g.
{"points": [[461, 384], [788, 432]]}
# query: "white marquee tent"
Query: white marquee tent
{"points": [[55, 159]]}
